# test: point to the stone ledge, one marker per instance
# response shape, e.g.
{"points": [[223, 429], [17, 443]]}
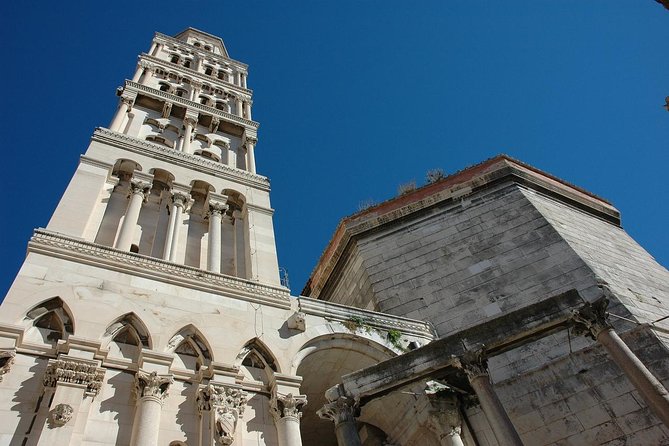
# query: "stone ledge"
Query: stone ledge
{"points": [[342, 313], [193, 161], [69, 248]]}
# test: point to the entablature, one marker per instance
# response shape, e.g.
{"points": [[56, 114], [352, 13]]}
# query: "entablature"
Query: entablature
{"points": [[191, 161], [77, 250], [136, 88]]}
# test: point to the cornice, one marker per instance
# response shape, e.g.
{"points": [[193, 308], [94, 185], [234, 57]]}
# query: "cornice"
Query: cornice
{"points": [[342, 313], [199, 51], [190, 161], [187, 103], [76, 250], [203, 77]]}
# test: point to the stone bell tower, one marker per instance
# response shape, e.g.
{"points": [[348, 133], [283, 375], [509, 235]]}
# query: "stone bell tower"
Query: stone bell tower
{"points": [[174, 176]]}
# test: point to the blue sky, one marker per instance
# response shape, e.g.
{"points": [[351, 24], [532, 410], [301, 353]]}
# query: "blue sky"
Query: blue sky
{"points": [[357, 97]]}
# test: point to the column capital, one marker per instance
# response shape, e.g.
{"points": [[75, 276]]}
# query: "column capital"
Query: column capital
{"points": [[190, 120], [167, 109], [227, 402], [343, 409], [74, 371], [146, 64], [151, 384], [287, 406], [592, 318], [180, 198], [6, 360], [251, 140], [140, 187], [217, 207], [474, 362]]}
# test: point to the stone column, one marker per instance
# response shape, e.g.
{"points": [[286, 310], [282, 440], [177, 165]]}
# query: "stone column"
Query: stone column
{"points": [[189, 124], [445, 414], [475, 366], [592, 320], [221, 407], [342, 410], [179, 201], [195, 90], [250, 156], [232, 157], [239, 106], [70, 384], [151, 391], [124, 107], [242, 77], [216, 210], [139, 190], [286, 410], [247, 108]]}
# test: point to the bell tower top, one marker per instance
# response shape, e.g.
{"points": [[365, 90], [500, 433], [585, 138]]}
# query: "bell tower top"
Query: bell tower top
{"points": [[201, 39]]}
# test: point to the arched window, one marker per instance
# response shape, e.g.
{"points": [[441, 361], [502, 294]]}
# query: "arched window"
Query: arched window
{"points": [[257, 362], [174, 58], [187, 63], [207, 47], [222, 75], [197, 44], [181, 92], [164, 86], [191, 351], [49, 321], [127, 336], [208, 70]]}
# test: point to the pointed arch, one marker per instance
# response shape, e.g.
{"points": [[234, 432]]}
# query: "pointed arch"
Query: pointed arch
{"points": [[126, 329], [49, 321], [191, 349], [256, 354]]}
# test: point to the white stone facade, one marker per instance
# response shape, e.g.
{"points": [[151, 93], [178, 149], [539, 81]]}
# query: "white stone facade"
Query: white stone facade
{"points": [[150, 311]]}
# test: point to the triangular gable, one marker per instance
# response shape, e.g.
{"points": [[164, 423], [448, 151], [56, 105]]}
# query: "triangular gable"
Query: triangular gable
{"points": [[196, 37]]}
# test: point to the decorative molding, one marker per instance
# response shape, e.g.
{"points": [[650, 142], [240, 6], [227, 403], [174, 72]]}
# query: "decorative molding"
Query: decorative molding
{"points": [[194, 162], [152, 385], [61, 414], [342, 410], [227, 404], [77, 250], [74, 371], [341, 313], [195, 50], [592, 319], [187, 103], [7, 358], [287, 406], [474, 363]]}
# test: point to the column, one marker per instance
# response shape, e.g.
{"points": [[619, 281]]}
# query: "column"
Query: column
{"points": [[216, 209], [189, 124], [341, 410], [242, 77], [247, 108], [475, 366], [250, 155], [179, 200], [592, 320], [70, 384], [124, 107], [239, 106], [195, 90], [286, 410], [445, 414], [238, 78], [232, 157], [221, 406], [139, 190], [151, 391]]}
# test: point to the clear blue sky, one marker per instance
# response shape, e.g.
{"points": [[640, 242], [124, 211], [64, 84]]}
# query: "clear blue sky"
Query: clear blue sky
{"points": [[356, 97]]}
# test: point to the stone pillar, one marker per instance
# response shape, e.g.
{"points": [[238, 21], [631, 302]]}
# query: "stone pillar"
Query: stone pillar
{"points": [[151, 391], [286, 410], [592, 320], [179, 201], [250, 156], [124, 107], [475, 366], [247, 108], [195, 90], [70, 384], [232, 157], [139, 190], [342, 410], [189, 125], [445, 420], [221, 406], [239, 106], [216, 210], [242, 78]]}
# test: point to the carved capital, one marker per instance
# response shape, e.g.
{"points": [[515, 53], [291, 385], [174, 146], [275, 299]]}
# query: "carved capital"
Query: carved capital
{"points": [[289, 406], [227, 404], [217, 207], [474, 363], [251, 140], [152, 385], [139, 187], [146, 65], [6, 360], [190, 120], [592, 319], [343, 409], [74, 372], [61, 414], [180, 199], [128, 103]]}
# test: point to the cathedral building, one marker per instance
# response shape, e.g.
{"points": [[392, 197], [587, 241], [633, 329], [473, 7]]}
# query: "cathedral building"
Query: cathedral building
{"points": [[496, 306]]}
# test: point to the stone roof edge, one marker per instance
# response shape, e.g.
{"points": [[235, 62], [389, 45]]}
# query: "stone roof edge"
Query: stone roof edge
{"points": [[459, 184]]}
